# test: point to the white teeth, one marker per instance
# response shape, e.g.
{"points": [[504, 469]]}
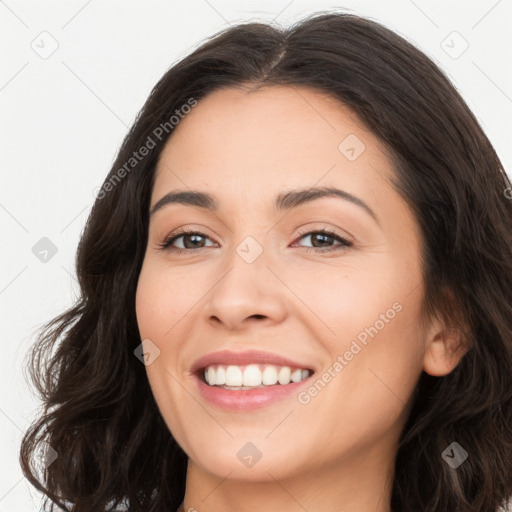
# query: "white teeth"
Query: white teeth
{"points": [[215, 377], [253, 375], [220, 376], [211, 374], [269, 376], [284, 375], [233, 376], [296, 375]]}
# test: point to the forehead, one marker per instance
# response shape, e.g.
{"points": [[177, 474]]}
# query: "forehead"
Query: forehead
{"points": [[253, 145]]}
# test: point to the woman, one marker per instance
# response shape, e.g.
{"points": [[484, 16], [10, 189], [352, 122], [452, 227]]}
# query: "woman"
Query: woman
{"points": [[296, 291]]}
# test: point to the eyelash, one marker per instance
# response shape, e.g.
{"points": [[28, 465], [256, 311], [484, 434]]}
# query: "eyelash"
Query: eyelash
{"points": [[166, 244]]}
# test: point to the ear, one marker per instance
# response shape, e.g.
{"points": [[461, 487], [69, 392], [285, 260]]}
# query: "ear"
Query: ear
{"points": [[446, 337], [443, 351]]}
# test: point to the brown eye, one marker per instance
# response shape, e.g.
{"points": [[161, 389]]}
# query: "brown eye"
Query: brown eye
{"points": [[191, 240], [323, 239]]}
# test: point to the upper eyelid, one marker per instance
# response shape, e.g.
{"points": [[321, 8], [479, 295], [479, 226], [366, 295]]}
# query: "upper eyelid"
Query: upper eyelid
{"points": [[333, 231]]}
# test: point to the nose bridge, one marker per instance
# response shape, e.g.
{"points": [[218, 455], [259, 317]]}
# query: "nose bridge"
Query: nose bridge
{"points": [[248, 274], [248, 288]]}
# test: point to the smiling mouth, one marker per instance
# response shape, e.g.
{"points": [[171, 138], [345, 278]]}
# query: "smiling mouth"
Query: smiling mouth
{"points": [[251, 376]]}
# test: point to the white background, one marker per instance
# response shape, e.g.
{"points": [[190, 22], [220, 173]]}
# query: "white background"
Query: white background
{"points": [[64, 117]]}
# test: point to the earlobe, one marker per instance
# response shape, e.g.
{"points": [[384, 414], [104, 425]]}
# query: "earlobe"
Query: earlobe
{"points": [[444, 352]]}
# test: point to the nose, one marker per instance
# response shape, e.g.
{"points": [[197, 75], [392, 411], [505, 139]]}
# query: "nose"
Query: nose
{"points": [[245, 294]]}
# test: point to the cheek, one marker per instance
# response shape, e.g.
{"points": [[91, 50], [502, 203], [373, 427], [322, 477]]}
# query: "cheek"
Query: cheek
{"points": [[162, 298], [382, 359], [375, 341], [158, 313], [373, 371], [347, 300], [148, 303]]}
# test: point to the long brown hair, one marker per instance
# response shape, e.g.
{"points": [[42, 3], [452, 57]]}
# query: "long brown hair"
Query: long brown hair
{"points": [[99, 414]]}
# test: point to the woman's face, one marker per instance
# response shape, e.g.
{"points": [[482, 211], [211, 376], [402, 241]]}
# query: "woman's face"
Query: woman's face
{"points": [[256, 279]]}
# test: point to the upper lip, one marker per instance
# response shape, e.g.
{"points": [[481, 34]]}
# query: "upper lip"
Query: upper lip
{"points": [[227, 357]]}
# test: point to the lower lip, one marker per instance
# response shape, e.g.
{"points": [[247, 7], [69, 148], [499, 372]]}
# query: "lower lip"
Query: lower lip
{"points": [[248, 399]]}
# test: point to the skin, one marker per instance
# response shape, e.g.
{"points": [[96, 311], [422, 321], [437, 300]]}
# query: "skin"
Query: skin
{"points": [[337, 451]]}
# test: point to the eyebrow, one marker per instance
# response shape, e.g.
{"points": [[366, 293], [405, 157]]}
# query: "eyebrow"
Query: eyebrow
{"points": [[284, 201]]}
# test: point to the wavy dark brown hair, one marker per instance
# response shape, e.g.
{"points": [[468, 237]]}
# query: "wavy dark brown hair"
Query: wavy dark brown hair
{"points": [[98, 411]]}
